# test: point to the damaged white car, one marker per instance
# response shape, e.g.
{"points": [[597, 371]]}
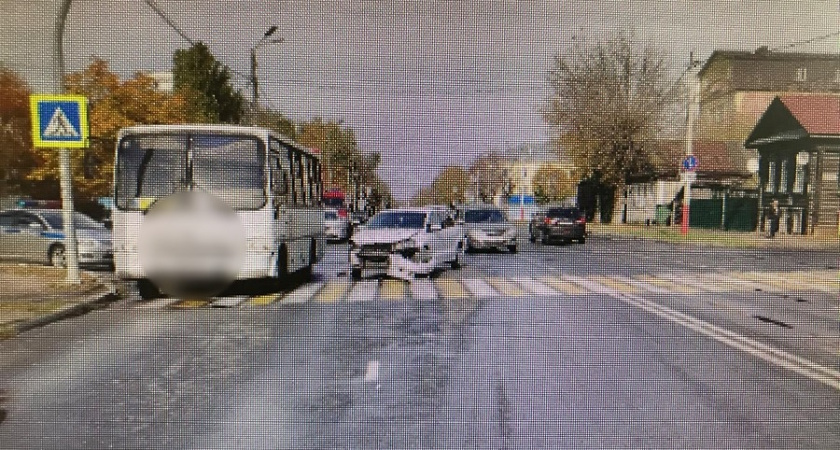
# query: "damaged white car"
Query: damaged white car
{"points": [[404, 242]]}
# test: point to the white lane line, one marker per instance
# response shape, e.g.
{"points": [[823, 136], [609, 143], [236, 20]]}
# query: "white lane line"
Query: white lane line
{"points": [[535, 287], [158, 303], [642, 285], [802, 366], [363, 291], [423, 289], [478, 288], [302, 294], [590, 285], [372, 372], [229, 302]]}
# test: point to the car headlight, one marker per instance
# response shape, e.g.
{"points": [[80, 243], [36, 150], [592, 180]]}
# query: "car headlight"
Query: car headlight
{"points": [[88, 243], [406, 248], [475, 234], [510, 232]]}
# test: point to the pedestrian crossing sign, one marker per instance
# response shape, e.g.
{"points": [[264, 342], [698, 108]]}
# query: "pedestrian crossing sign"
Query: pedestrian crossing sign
{"points": [[59, 121]]}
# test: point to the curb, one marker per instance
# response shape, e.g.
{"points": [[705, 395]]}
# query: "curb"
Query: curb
{"points": [[92, 302]]}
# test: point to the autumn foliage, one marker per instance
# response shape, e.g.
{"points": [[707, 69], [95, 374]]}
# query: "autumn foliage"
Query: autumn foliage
{"points": [[113, 104]]}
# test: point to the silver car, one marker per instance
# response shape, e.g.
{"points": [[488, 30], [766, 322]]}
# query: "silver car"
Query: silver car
{"points": [[37, 235], [487, 227], [336, 227]]}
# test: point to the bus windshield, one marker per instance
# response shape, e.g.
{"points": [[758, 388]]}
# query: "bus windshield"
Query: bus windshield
{"points": [[230, 167]]}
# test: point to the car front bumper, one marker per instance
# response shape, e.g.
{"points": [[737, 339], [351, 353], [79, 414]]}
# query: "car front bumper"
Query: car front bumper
{"points": [[392, 264], [484, 242]]}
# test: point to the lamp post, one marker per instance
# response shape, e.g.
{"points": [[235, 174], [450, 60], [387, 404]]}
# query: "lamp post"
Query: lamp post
{"points": [[255, 92]]}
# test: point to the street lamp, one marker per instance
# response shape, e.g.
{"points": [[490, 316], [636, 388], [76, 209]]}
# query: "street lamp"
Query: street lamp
{"points": [[255, 92]]}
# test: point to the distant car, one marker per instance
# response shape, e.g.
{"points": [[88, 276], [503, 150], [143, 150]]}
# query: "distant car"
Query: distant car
{"points": [[558, 224], [405, 242], [336, 225], [488, 227], [37, 235]]}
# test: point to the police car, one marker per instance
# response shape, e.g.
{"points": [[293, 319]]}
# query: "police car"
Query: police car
{"points": [[37, 235]]}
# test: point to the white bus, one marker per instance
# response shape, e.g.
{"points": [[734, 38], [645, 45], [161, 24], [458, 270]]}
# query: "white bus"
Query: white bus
{"points": [[272, 184]]}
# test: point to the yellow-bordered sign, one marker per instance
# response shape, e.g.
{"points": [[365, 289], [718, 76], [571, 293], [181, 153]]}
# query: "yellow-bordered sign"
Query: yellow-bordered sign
{"points": [[59, 121]]}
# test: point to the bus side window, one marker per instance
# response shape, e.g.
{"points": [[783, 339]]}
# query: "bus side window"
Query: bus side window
{"points": [[300, 178], [279, 181], [292, 176], [310, 180], [319, 194]]}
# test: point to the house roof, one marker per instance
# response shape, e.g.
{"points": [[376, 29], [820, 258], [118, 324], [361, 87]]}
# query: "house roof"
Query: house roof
{"points": [[792, 117], [723, 157], [764, 54], [818, 114], [716, 159]]}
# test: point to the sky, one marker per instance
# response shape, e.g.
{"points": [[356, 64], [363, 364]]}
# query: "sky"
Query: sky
{"points": [[425, 83]]}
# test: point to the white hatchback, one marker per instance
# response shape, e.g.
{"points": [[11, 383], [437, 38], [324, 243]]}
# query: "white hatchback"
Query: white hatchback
{"points": [[405, 242]]}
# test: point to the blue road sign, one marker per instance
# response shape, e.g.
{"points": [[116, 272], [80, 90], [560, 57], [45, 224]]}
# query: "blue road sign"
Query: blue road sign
{"points": [[59, 121], [689, 163]]}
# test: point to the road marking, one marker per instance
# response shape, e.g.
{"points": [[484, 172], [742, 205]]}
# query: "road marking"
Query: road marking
{"points": [[692, 282], [332, 292], [264, 300], [828, 286], [158, 303], [363, 291], [506, 287], [645, 286], [667, 284], [590, 285], [479, 288], [736, 284], [372, 371], [535, 287], [613, 283], [392, 290], [451, 289], [190, 303], [423, 290], [765, 279], [563, 286], [229, 302], [769, 354], [301, 294]]}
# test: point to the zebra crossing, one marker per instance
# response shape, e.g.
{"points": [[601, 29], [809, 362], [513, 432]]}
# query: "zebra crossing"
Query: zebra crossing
{"points": [[345, 291]]}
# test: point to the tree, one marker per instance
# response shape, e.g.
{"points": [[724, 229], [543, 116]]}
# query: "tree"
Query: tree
{"points": [[552, 183], [609, 101], [449, 186], [17, 157], [113, 104], [344, 165], [206, 82], [489, 175]]}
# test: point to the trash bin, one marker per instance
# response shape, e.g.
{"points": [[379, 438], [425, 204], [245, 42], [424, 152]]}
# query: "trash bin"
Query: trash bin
{"points": [[663, 212]]}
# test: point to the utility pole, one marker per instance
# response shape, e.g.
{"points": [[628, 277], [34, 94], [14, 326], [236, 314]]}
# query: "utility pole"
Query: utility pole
{"points": [[689, 174], [71, 253]]}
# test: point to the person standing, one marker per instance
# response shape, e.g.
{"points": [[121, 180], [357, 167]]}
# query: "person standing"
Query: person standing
{"points": [[773, 218]]}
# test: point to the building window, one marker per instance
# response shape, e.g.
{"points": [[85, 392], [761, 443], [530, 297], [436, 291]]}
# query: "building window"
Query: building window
{"points": [[799, 179], [801, 74], [771, 178], [837, 76], [783, 179]]}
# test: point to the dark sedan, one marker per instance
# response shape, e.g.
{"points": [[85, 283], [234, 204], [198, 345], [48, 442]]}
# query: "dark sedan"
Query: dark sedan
{"points": [[558, 225]]}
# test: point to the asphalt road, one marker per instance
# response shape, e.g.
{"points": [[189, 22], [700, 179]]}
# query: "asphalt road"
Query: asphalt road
{"points": [[611, 344]]}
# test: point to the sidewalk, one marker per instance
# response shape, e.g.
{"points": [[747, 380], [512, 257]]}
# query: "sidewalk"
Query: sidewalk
{"points": [[716, 238], [34, 295]]}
